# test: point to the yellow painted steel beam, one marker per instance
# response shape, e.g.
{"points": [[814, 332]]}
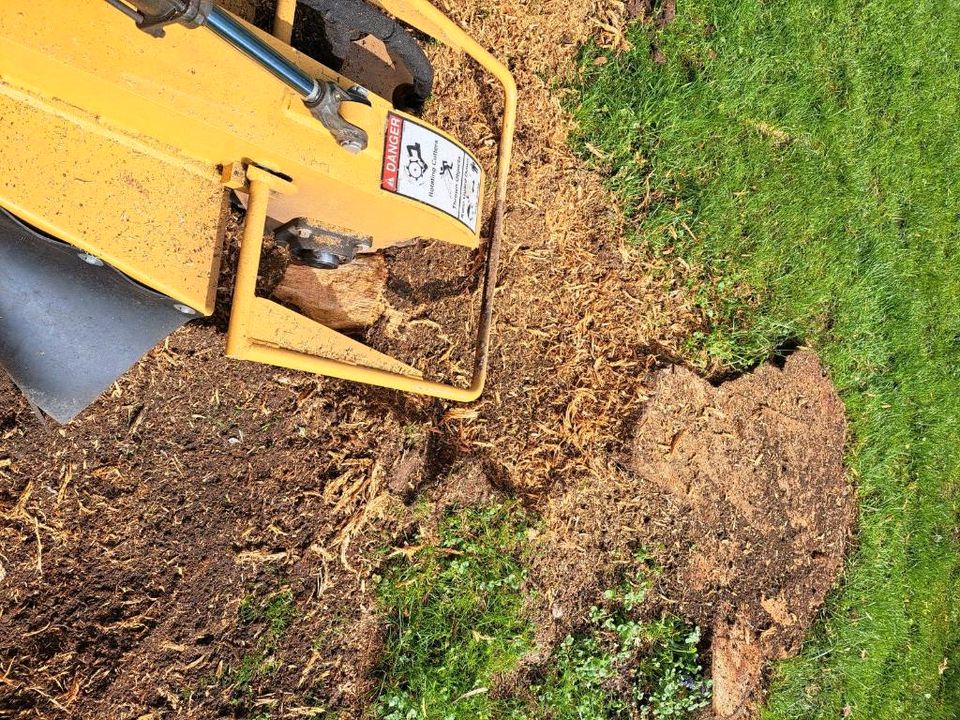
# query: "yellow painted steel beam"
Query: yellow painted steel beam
{"points": [[283, 20], [156, 217]]}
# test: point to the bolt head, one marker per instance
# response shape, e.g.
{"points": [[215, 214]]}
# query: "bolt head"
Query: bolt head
{"points": [[324, 260], [90, 259], [352, 145]]}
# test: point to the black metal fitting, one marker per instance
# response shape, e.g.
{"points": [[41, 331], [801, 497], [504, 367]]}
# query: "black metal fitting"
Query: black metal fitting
{"points": [[326, 108], [318, 246]]}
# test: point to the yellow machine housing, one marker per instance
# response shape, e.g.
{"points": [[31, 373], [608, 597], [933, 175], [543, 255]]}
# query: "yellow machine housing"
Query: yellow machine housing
{"points": [[125, 146]]}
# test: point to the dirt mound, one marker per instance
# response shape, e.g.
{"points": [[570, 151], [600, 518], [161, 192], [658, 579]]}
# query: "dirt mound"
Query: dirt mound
{"points": [[738, 494], [131, 537]]}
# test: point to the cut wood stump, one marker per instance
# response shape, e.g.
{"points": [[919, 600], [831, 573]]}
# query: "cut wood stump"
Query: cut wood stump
{"points": [[737, 670], [348, 298]]}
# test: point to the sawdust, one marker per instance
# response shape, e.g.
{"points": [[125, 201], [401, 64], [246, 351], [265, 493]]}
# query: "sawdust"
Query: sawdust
{"points": [[130, 537], [737, 493], [581, 315]]}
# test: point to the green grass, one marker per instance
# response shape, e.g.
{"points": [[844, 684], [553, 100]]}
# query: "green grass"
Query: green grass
{"points": [[270, 617], [454, 613], [274, 613], [456, 626], [805, 159]]}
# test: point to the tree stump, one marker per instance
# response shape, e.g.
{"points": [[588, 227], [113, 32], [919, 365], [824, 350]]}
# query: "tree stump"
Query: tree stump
{"points": [[348, 298]]}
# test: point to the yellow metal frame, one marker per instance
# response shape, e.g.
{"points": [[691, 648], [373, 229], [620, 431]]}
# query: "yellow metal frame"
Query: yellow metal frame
{"points": [[283, 20], [245, 339], [113, 137]]}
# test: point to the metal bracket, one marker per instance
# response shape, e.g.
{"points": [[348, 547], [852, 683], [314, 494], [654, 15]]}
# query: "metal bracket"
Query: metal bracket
{"points": [[326, 109], [318, 246], [152, 16]]}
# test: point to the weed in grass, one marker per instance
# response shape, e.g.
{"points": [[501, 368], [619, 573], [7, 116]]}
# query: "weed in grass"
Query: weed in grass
{"points": [[454, 618], [803, 157], [621, 668]]}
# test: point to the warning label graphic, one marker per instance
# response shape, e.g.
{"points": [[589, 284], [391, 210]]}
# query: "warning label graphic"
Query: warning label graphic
{"points": [[423, 165]]}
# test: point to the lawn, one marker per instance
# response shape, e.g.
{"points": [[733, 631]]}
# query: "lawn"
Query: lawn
{"points": [[804, 158]]}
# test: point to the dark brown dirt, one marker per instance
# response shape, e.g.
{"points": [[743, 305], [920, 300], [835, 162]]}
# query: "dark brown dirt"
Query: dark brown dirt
{"points": [[130, 537], [431, 322]]}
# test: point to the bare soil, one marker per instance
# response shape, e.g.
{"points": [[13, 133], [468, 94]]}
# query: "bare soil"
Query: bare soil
{"points": [[130, 538]]}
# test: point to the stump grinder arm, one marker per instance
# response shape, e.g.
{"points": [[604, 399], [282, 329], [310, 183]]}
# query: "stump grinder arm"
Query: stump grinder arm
{"points": [[127, 125]]}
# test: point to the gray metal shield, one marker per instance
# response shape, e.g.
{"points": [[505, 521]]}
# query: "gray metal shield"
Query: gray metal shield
{"points": [[69, 328]]}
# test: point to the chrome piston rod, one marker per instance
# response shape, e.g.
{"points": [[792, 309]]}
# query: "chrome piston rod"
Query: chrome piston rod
{"points": [[153, 15], [322, 98], [237, 35]]}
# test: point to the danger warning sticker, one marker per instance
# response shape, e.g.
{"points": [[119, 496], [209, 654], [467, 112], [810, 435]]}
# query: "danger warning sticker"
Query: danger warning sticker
{"points": [[421, 164]]}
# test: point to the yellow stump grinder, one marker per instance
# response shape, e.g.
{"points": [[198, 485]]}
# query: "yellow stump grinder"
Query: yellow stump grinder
{"points": [[127, 126]]}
